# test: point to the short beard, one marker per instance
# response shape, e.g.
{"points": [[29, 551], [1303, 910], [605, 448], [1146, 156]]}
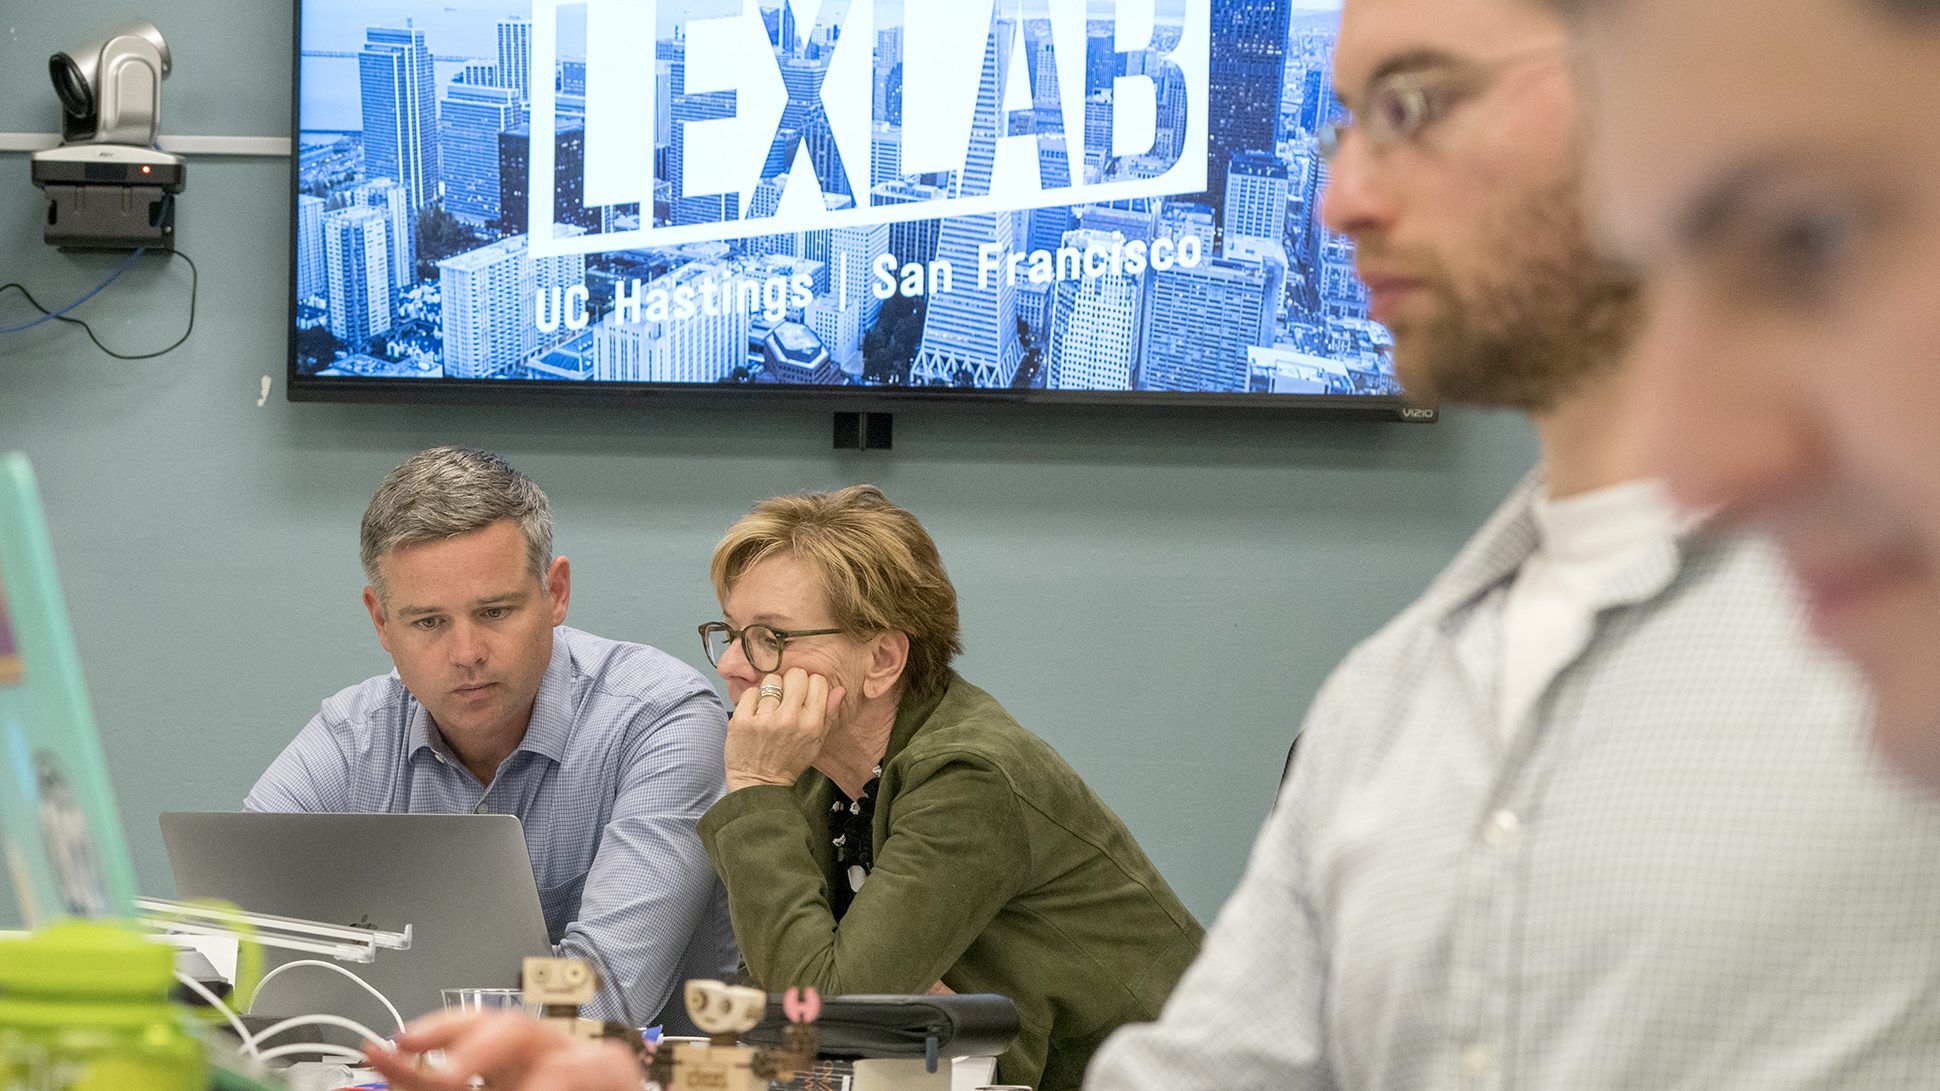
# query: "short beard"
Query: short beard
{"points": [[1532, 333]]}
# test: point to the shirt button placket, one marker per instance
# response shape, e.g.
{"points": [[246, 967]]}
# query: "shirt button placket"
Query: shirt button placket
{"points": [[1502, 829], [1490, 889]]}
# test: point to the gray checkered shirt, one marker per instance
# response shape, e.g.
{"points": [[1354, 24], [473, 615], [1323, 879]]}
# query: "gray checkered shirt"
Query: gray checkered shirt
{"points": [[621, 759], [1684, 870]]}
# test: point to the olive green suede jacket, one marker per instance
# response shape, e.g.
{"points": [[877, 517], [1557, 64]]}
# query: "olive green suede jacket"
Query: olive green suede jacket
{"points": [[996, 871]]}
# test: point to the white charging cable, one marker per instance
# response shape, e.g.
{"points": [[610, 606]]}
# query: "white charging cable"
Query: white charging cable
{"points": [[328, 1049], [333, 967], [253, 1043], [322, 1049], [215, 1002]]}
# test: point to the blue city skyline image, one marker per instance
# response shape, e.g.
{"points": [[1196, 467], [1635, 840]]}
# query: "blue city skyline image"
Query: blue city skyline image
{"points": [[414, 203]]}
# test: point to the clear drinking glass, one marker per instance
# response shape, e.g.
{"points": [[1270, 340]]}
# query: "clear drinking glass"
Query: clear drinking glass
{"points": [[482, 1000]]}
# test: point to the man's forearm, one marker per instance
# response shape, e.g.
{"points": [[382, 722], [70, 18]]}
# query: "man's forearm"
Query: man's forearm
{"points": [[646, 902]]}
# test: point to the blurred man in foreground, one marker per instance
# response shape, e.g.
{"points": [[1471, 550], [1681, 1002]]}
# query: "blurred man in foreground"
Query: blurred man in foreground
{"points": [[1773, 168], [1595, 812]]}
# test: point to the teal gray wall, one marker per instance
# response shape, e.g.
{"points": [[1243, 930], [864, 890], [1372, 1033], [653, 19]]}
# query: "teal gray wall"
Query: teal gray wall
{"points": [[1159, 597]]}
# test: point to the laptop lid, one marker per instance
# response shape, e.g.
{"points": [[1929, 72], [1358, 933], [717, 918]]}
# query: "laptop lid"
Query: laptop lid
{"points": [[463, 883], [60, 833]]}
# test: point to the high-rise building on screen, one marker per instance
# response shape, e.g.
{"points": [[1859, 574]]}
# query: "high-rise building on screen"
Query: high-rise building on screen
{"points": [[490, 298], [474, 116], [515, 57], [1202, 322], [400, 107], [970, 333], [1094, 325], [1249, 47], [1256, 207], [357, 263], [311, 279]]}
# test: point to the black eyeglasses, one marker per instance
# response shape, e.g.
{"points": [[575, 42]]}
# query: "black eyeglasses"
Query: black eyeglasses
{"points": [[761, 644]]}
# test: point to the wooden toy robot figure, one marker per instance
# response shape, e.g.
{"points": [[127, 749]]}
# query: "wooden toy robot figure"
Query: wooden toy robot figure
{"points": [[721, 1063], [559, 986]]}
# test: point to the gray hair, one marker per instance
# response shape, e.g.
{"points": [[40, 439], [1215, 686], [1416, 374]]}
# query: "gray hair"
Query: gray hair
{"points": [[447, 491]]}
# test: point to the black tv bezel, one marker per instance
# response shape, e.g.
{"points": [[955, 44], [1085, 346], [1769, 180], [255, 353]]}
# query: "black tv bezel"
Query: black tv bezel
{"points": [[841, 399]]}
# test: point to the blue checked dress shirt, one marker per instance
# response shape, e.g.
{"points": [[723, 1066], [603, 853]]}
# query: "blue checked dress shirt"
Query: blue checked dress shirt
{"points": [[623, 756], [1684, 870]]}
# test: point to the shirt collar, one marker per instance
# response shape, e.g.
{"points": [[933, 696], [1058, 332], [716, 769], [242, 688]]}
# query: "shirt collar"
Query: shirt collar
{"points": [[1505, 543], [422, 740], [1493, 555], [552, 712], [551, 728]]}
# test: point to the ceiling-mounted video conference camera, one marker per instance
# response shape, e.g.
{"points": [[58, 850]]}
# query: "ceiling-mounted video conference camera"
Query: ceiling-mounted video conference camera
{"points": [[108, 186]]}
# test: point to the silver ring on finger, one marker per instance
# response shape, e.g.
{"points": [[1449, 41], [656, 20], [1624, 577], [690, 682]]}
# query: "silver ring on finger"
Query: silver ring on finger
{"points": [[769, 689]]}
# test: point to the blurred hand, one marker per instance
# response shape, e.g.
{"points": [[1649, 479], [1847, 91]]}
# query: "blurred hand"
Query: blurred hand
{"points": [[511, 1052], [773, 741]]}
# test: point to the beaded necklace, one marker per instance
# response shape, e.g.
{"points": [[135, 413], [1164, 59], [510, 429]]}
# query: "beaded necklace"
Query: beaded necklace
{"points": [[851, 832]]}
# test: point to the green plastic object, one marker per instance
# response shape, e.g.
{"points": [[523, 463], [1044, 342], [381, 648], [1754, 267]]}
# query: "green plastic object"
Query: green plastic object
{"points": [[84, 1007]]}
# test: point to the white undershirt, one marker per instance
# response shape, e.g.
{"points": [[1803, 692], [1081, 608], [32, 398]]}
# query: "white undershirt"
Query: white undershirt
{"points": [[1586, 543]]}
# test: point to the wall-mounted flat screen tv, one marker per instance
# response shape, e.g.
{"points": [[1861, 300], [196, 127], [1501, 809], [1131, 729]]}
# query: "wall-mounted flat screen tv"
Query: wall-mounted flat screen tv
{"points": [[1038, 200]]}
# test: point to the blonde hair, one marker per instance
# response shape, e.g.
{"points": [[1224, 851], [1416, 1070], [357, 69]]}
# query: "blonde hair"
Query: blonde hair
{"points": [[879, 569]]}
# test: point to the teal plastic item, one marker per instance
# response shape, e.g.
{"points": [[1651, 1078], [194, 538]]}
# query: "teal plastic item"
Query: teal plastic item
{"points": [[83, 1000], [59, 829]]}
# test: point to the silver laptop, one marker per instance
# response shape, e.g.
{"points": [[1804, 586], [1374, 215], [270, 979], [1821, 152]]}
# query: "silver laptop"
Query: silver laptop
{"points": [[462, 882]]}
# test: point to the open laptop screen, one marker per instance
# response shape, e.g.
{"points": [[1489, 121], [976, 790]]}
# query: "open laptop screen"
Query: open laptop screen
{"points": [[461, 882]]}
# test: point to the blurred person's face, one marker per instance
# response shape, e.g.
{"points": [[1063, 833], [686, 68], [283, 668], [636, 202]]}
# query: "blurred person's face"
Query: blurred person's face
{"points": [[1772, 167], [1458, 183]]}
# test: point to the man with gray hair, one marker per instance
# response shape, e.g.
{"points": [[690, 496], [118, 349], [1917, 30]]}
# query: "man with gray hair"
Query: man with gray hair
{"points": [[608, 752]]}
